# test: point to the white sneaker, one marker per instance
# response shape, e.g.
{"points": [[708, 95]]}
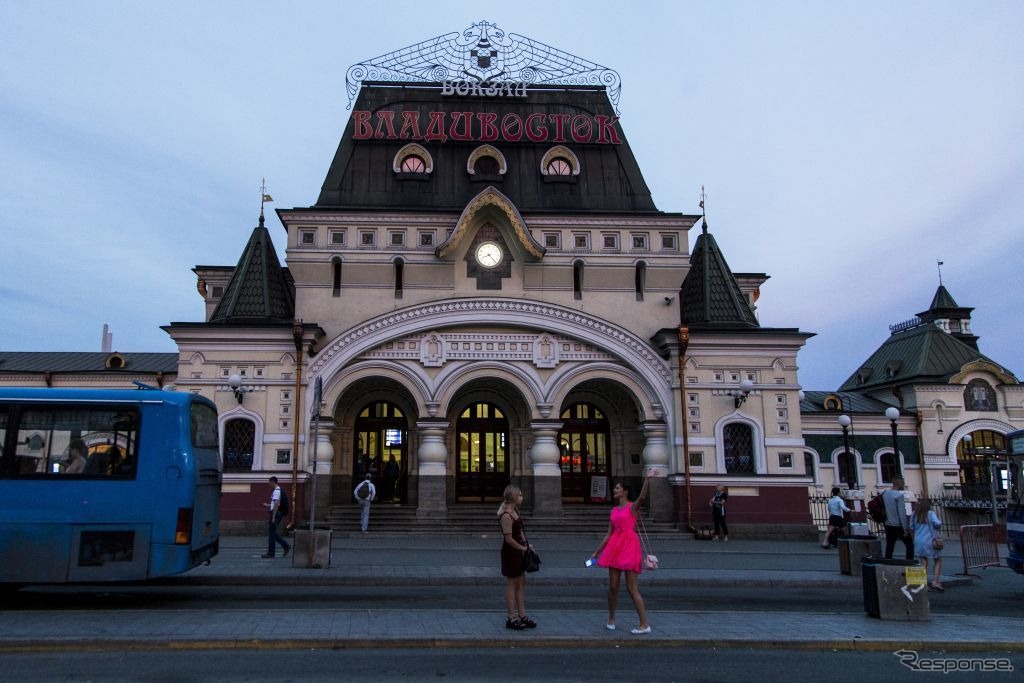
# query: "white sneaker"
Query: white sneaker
{"points": [[641, 631], [610, 627]]}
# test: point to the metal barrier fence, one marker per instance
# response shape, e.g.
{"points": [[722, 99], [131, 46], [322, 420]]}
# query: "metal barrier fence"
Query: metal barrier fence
{"points": [[954, 513], [979, 547]]}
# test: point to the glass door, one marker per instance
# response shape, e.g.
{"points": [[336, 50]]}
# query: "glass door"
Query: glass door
{"points": [[482, 442]]}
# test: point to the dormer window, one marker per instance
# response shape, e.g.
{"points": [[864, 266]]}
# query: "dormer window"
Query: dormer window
{"points": [[559, 166], [486, 162], [413, 164]]}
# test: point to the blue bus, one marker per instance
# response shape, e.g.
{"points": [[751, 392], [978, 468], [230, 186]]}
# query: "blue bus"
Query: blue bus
{"points": [[106, 485], [1015, 501]]}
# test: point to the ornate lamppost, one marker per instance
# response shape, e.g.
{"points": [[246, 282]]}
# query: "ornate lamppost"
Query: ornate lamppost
{"points": [[844, 422], [893, 414]]}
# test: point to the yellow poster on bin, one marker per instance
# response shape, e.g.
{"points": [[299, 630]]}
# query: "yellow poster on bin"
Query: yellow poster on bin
{"points": [[915, 576]]}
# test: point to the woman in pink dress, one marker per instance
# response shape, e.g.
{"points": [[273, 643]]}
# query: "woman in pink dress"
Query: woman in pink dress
{"points": [[620, 552]]}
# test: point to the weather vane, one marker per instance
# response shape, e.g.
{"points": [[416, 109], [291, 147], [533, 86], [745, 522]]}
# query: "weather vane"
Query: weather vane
{"points": [[483, 52], [939, 266], [264, 197], [703, 211]]}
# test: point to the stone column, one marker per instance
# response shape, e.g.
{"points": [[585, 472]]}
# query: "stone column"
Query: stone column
{"points": [[547, 474], [321, 497], [656, 458], [432, 475]]}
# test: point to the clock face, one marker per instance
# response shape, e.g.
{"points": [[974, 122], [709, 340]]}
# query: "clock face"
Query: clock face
{"points": [[488, 255]]}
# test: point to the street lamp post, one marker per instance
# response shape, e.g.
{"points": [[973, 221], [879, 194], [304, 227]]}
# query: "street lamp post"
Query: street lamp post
{"points": [[893, 414], [844, 422]]}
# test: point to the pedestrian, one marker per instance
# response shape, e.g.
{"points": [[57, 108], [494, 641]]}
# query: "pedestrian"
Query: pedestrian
{"points": [[620, 551], [926, 525], [365, 493], [391, 473], [836, 521], [717, 504], [276, 515], [897, 525], [76, 457], [513, 549]]}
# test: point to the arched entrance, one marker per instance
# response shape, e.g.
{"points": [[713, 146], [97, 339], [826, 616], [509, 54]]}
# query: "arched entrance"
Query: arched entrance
{"points": [[381, 447], [583, 442], [481, 441], [975, 458]]}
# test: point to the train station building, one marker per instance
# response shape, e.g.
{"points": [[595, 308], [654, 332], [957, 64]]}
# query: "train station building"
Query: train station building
{"points": [[484, 292]]}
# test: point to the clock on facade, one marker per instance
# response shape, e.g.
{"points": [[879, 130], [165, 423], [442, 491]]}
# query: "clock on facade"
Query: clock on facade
{"points": [[488, 254]]}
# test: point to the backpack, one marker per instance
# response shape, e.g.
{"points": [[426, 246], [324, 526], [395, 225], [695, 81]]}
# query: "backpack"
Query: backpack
{"points": [[363, 490], [876, 509], [284, 506]]}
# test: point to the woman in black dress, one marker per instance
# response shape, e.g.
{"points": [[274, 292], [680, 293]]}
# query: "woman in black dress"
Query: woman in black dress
{"points": [[512, 549]]}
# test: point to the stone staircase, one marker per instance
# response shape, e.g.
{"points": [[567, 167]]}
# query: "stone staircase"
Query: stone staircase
{"points": [[479, 518]]}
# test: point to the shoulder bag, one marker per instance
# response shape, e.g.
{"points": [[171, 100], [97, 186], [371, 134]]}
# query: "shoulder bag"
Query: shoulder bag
{"points": [[531, 560], [650, 559]]}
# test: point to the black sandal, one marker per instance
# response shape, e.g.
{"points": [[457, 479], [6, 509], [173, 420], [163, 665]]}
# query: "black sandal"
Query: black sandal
{"points": [[527, 622], [514, 624]]}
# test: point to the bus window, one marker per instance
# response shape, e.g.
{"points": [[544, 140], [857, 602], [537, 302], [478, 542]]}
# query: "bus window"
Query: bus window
{"points": [[204, 426], [51, 440]]}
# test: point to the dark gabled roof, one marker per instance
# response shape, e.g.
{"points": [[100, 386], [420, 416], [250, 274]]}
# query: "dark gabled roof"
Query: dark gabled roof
{"points": [[259, 291], [921, 354], [710, 296], [85, 361], [361, 175], [814, 402]]}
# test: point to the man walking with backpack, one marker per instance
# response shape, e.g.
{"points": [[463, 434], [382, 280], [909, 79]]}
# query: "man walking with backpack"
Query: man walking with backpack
{"points": [[365, 493], [278, 507], [897, 524]]}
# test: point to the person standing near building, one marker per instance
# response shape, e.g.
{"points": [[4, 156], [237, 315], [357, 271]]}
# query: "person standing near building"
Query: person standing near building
{"points": [[276, 515], [926, 525], [391, 473], [717, 504], [365, 493], [513, 547], [836, 520], [897, 524], [620, 551]]}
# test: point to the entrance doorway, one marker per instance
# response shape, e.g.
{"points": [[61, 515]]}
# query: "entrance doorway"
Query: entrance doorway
{"points": [[481, 437], [381, 436], [583, 441]]}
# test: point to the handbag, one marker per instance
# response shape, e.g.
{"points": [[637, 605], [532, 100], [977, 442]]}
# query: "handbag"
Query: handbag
{"points": [[650, 560], [938, 543], [531, 560]]}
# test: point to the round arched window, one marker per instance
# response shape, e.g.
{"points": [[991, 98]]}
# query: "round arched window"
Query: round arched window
{"points": [[413, 164], [559, 166], [487, 165]]}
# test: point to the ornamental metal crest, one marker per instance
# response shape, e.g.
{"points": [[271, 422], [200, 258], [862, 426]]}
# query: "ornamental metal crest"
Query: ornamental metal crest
{"points": [[483, 52]]}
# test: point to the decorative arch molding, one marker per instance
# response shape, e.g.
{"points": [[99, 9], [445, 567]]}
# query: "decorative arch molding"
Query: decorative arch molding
{"points": [[760, 456], [1001, 375], [486, 151], [197, 358], [408, 376], [559, 151], [287, 359], [779, 365], [562, 383], [450, 382], [974, 425], [413, 149], [464, 227], [635, 352], [241, 412]]}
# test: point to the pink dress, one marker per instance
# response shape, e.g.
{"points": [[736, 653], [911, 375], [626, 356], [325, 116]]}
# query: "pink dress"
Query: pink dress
{"points": [[623, 548]]}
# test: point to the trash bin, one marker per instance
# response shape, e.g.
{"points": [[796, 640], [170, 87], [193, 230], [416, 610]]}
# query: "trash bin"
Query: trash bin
{"points": [[888, 594], [853, 548]]}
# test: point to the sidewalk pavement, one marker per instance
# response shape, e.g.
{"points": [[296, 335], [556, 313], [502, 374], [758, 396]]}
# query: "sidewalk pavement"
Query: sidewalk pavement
{"points": [[473, 560]]}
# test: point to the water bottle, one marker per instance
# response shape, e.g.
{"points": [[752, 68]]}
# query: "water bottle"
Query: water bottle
{"points": [[590, 562]]}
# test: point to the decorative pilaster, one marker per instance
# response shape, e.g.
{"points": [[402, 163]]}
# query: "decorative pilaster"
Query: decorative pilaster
{"points": [[655, 457], [433, 469], [547, 474]]}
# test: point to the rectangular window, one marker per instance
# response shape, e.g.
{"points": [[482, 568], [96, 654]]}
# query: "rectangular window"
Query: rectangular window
{"points": [[786, 460], [639, 241], [398, 239], [693, 399], [719, 377], [610, 240], [780, 399], [81, 441], [694, 413], [225, 372], [285, 424], [734, 377], [752, 376], [552, 240], [695, 426], [338, 238], [217, 292], [284, 456], [783, 428], [367, 238], [307, 238], [427, 238], [581, 241], [286, 409], [668, 242], [258, 372], [696, 459], [286, 395]]}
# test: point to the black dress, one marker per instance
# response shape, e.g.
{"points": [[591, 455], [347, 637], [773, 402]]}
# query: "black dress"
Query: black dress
{"points": [[512, 558]]}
